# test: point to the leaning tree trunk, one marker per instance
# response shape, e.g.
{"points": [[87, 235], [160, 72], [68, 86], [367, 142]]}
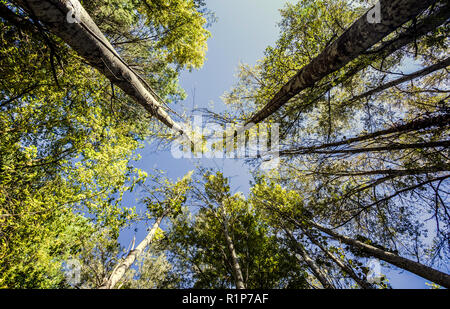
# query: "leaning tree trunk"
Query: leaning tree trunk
{"points": [[352, 43], [82, 34], [387, 48], [237, 271], [389, 147], [421, 270], [345, 268], [323, 279], [121, 268], [441, 120]]}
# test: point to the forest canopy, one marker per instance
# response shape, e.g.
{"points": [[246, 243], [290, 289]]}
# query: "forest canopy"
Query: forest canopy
{"points": [[363, 176]]}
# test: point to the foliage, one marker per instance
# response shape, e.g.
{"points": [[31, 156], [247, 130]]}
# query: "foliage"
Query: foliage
{"points": [[68, 138], [361, 154], [198, 247], [364, 155]]}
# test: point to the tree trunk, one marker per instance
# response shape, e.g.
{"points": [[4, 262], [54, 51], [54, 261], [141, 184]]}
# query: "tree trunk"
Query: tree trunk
{"points": [[237, 271], [390, 172], [421, 270], [89, 42], [347, 269], [310, 262], [428, 70], [390, 147], [415, 125], [352, 43], [121, 268]]}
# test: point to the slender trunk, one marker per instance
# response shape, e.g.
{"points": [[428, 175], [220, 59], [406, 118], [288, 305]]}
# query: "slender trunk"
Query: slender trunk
{"points": [[386, 49], [347, 269], [421, 270], [397, 193], [370, 149], [352, 43], [237, 271], [435, 67], [121, 268], [415, 125], [89, 42], [391, 172], [310, 262]]}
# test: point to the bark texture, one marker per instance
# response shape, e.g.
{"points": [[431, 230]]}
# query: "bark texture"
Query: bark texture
{"points": [[352, 43], [89, 42], [435, 121]]}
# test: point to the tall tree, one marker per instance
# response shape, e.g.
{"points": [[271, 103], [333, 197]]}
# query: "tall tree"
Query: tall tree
{"points": [[291, 213], [174, 195], [68, 136], [362, 35], [227, 244], [366, 147]]}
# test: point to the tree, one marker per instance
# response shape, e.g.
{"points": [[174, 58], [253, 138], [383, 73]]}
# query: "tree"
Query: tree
{"points": [[68, 136], [361, 36], [291, 214], [58, 154], [227, 244], [174, 196], [90, 43], [365, 147]]}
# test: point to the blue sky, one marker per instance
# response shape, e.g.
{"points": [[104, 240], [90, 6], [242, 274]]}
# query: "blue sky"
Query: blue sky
{"points": [[243, 30]]}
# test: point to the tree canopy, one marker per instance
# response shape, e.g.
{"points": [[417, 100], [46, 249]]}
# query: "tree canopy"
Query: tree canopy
{"points": [[364, 118]]}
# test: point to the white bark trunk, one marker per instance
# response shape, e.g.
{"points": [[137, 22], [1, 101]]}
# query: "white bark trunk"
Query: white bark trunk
{"points": [[121, 268], [352, 43], [90, 43]]}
